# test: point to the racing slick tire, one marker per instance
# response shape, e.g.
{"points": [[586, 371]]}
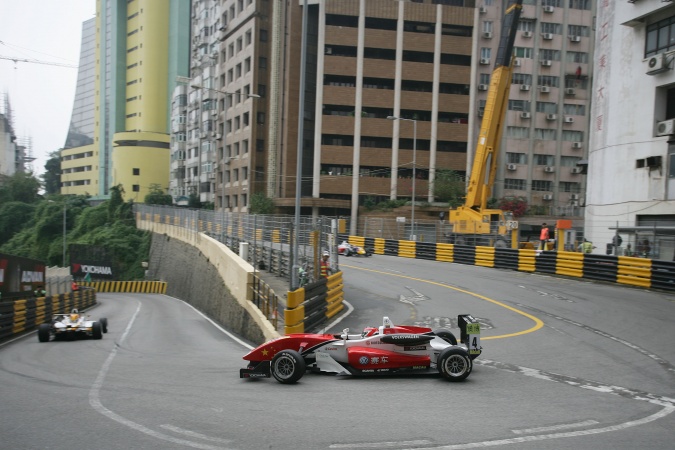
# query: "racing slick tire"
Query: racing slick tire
{"points": [[96, 330], [43, 332], [288, 366], [104, 324], [447, 336], [454, 364]]}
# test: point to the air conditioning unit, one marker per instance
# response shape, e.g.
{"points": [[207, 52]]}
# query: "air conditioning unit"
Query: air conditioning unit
{"points": [[547, 197], [485, 60], [511, 166], [657, 64], [219, 136], [527, 34], [551, 117], [574, 197], [525, 115], [570, 91], [549, 169], [549, 9], [544, 89], [547, 36], [483, 87], [516, 63], [665, 128], [577, 145], [575, 38], [482, 10], [576, 170], [546, 62], [212, 175], [487, 35], [524, 87], [569, 119]]}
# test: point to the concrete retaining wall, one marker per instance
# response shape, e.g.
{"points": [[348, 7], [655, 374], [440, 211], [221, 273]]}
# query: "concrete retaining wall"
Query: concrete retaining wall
{"points": [[209, 276]]}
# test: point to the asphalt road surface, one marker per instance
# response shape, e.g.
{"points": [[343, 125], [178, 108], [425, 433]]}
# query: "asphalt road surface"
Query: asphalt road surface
{"points": [[567, 364]]}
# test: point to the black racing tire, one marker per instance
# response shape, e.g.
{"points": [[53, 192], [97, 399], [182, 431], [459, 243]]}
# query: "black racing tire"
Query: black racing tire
{"points": [[44, 330], [454, 364], [288, 366], [447, 336], [104, 324], [96, 330]]}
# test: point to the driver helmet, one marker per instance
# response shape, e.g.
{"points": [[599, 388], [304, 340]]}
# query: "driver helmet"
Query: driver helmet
{"points": [[74, 315], [369, 331]]}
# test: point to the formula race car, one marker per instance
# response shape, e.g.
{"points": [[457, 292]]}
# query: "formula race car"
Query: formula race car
{"points": [[388, 349], [347, 249], [72, 326]]}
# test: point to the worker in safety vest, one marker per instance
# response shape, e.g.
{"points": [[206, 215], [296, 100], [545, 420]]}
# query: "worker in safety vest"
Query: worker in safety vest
{"points": [[543, 237]]}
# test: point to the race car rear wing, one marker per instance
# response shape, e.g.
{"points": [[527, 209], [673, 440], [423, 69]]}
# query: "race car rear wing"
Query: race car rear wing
{"points": [[470, 333]]}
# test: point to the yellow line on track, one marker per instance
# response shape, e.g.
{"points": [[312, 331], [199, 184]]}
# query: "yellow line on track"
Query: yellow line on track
{"points": [[537, 322]]}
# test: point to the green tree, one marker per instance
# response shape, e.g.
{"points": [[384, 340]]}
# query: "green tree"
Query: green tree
{"points": [[13, 218], [156, 196], [194, 202], [51, 178], [20, 187], [449, 187], [261, 204]]}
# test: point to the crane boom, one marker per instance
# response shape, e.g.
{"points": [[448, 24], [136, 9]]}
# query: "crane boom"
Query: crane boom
{"points": [[37, 61], [473, 216]]}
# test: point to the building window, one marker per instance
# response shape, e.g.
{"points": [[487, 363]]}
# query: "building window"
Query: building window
{"points": [[542, 185], [514, 183], [516, 158], [660, 37], [136, 171], [136, 188]]}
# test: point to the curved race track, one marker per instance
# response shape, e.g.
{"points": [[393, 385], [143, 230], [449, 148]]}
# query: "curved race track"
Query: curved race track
{"points": [[567, 364]]}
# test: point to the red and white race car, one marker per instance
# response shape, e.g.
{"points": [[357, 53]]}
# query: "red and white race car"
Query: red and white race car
{"points": [[388, 349], [347, 249]]}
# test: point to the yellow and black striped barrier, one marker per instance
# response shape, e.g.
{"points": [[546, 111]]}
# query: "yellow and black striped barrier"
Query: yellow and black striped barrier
{"points": [[313, 304], [142, 287], [627, 270]]}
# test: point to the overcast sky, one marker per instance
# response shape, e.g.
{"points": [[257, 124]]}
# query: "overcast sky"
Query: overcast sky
{"points": [[41, 96]]}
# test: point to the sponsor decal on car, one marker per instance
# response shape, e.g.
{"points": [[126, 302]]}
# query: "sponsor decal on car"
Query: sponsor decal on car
{"points": [[413, 348]]}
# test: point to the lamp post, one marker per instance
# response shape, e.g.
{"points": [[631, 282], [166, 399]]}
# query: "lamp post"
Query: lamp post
{"points": [[226, 158], [413, 237]]}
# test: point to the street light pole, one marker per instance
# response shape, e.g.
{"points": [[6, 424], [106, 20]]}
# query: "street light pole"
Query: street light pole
{"points": [[64, 234], [413, 237]]}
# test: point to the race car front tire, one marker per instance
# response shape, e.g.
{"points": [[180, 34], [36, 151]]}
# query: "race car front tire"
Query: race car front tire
{"points": [[454, 364], [104, 324], [288, 366], [447, 336], [96, 330], [43, 332]]}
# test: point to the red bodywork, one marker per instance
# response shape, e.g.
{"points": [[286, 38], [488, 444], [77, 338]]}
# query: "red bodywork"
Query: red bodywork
{"points": [[299, 342]]}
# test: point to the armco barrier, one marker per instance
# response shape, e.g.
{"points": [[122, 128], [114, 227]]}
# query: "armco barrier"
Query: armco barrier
{"points": [[311, 305], [22, 315], [622, 269], [145, 287]]}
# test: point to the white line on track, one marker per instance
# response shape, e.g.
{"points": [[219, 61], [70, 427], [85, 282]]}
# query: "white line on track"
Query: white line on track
{"points": [[195, 435], [380, 444], [95, 401], [565, 426]]}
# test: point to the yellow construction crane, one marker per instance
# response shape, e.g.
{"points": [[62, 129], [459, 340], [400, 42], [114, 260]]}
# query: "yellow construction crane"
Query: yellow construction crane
{"points": [[36, 61]]}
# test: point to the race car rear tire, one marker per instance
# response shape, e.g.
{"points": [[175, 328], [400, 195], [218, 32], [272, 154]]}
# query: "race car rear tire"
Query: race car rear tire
{"points": [[96, 330], [288, 366], [104, 324], [454, 364], [43, 332], [447, 336]]}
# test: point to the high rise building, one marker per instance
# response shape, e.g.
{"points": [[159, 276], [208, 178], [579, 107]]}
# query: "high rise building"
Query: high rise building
{"points": [[631, 164], [548, 118], [141, 47]]}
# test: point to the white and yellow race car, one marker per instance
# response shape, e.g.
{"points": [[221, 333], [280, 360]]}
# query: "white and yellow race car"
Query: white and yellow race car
{"points": [[72, 326]]}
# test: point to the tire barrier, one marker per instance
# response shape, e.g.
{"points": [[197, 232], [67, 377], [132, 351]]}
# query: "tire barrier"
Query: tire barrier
{"points": [[628, 270], [22, 315], [143, 287], [313, 304]]}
